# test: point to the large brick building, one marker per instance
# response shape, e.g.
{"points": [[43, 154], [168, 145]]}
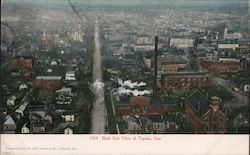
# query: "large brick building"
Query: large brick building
{"points": [[185, 80], [171, 63], [220, 66], [146, 106], [23, 62], [206, 116], [172, 68], [48, 82]]}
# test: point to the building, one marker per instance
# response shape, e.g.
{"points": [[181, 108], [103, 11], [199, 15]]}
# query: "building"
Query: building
{"points": [[142, 40], [146, 106], [68, 116], [25, 129], [70, 75], [181, 42], [220, 66], [11, 101], [157, 124], [185, 80], [231, 35], [205, 115], [68, 130], [145, 48], [64, 96], [9, 125], [23, 62], [232, 46], [134, 125], [38, 127], [171, 63], [48, 82]]}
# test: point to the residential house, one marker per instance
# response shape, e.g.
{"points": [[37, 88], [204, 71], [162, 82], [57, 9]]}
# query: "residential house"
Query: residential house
{"points": [[11, 101], [38, 127], [64, 96], [68, 116], [68, 130], [9, 125], [25, 129], [157, 123], [134, 125]]}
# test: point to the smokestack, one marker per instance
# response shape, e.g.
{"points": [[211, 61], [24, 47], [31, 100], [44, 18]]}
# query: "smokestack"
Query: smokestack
{"points": [[155, 68]]}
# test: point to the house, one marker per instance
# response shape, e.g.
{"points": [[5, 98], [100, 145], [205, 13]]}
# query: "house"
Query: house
{"points": [[64, 96], [23, 86], [172, 122], [22, 108], [25, 129], [134, 125], [70, 75], [68, 116], [9, 125], [68, 130], [23, 61], [36, 113], [206, 115], [11, 101], [48, 82], [15, 73], [157, 123], [239, 120], [38, 127]]}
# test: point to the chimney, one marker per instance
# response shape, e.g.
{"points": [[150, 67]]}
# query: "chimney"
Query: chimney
{"points": [[155, 68]]}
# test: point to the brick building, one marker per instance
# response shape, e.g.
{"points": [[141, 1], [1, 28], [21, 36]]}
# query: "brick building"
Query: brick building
{"points": [[172, 68], [23, 62], [171, 63], [48, 82], [205, 117], [145, 106], [185, 80], [220, 66]]}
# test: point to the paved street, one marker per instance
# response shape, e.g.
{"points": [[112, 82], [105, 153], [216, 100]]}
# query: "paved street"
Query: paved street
{"points": [[240, 98]]}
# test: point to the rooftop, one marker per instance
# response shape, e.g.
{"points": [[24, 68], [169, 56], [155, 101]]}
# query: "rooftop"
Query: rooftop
{"points": [[199, 103], [186, 73], [48, 77]]}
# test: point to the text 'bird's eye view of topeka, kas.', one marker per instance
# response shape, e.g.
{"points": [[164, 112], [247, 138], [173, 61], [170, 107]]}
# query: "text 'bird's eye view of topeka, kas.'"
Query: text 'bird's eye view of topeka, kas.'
{"points": [[125, 67]]}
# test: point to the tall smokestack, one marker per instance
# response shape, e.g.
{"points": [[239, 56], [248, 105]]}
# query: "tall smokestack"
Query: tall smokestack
{"points": [[155, 68]]}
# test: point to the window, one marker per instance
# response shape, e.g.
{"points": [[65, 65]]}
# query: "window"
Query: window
{"points": [[206, 128], [221, 128], [215, 127]]}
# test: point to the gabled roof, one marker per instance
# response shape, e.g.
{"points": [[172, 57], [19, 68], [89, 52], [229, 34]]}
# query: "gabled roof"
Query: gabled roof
{"points": [[48, 77], [64, 89], [162, 101], [156, 119], [199, 103], [23, 56], [9, 121], [139, 100]]}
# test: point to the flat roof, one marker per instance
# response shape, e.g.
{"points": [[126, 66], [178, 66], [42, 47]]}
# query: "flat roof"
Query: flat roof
{"points": [[48, 77], [185, 74]]}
